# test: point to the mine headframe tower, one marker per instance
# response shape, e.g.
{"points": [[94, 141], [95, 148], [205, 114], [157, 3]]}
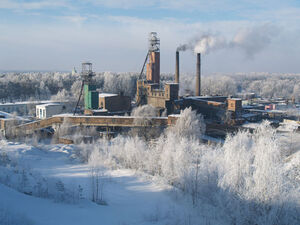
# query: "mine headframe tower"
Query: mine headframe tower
{"points": [[90, 94], [153, 52], [153, 66]]}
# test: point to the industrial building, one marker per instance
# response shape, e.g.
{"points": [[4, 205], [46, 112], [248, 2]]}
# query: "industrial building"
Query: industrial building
{"points": [[48, 110], [23, 108], [150, 91], [114, 102], [96, 103], [234, 104], [221, 114]]}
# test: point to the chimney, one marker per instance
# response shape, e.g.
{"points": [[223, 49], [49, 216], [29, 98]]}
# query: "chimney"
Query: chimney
{"points": [[198, 75], [177, 68]]}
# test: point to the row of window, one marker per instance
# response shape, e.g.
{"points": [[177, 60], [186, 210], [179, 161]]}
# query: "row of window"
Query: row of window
{"points": [[41, 113], [157, 94]]}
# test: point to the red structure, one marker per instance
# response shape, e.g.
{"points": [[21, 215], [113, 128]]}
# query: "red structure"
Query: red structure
{"points": [[153, 67]]}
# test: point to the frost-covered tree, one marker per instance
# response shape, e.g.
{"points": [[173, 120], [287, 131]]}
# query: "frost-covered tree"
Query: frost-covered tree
{"points": [[244, 181], [97, 184], [142, 119]]}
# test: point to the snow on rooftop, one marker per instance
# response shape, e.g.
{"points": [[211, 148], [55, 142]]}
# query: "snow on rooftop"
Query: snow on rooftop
{"points": [[171, 83], [100, 110], [49, 104], [103, 95], [235, 99], [174, 115], [27, 102], [114, 116]]}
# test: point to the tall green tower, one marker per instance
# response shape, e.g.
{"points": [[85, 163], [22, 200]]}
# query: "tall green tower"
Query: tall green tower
{"points": [[91, 96]]}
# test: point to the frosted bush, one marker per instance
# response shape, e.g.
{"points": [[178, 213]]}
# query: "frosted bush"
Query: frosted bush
{"points": [[143, 121], [144, 111], [188, 125], [251, 174]]}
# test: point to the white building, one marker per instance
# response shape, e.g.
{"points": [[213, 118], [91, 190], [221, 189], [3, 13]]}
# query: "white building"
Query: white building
{"points": [[47, 110], [22, 108]]}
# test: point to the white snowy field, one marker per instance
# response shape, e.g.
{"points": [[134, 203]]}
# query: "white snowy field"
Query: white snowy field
{"points": [[131, 198]]}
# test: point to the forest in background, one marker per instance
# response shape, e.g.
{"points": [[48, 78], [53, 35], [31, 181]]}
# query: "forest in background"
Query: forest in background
{"points": [[65, 86]]}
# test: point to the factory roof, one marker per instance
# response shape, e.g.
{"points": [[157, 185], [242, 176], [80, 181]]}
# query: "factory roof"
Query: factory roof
{"points": [[104, 95], [208, 99], [249, 115], [171, 83], [268, 111], [205, 97], [25, 103], [234, 99], [174, 115], [49, 104], [114, 116], [100, 110]]}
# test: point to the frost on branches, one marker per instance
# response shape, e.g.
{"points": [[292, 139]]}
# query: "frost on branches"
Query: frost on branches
{"points": [[241, 182]]}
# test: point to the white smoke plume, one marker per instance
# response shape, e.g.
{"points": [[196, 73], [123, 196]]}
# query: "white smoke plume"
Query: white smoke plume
{"points": [[249, 40], [204, 44], [254, 40]]}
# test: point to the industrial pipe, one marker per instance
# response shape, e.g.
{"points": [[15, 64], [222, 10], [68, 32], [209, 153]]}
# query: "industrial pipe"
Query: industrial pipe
{"points": [[198, 75], [177, 68]]}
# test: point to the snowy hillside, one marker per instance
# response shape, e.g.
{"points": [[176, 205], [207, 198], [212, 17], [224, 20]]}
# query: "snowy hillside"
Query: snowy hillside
{"points": [[130, 198]]}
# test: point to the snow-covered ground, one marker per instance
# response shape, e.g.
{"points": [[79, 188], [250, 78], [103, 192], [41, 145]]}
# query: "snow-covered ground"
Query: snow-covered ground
{"points": [[131, 198], [251, 178]]}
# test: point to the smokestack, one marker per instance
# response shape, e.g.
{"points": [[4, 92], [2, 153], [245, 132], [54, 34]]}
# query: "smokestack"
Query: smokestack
{"points": [[177, 68], [198, 75]]}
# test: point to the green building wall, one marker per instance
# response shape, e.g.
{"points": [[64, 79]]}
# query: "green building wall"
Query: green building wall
{"points": [[91, 97]]}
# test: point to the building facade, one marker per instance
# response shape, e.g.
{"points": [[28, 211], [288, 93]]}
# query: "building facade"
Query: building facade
{"points": [[114, 102], [48, 110]]}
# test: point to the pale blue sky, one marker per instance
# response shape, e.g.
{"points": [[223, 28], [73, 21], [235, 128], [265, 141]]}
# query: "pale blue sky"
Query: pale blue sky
{"points": [[57, 35]]}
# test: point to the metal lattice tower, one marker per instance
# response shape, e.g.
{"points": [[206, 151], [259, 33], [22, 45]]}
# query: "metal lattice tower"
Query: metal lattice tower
{"points": [[87, 72], [154, 42]]}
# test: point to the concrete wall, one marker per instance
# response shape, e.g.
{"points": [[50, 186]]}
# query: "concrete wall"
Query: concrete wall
{"points": [[160, 98], [159, 102]]}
